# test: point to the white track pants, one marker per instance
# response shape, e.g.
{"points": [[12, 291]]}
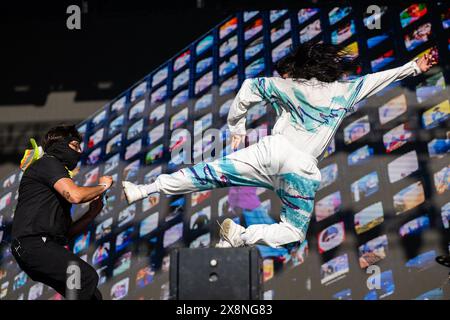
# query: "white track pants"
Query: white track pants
{"points": [[273, 163]]}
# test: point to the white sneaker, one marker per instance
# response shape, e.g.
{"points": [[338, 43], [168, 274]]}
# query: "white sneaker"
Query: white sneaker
{"points": [[230, 234], [133, 192]]}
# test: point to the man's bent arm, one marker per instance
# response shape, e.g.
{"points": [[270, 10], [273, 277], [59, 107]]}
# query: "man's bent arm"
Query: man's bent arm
{"points": [[76, 194]]}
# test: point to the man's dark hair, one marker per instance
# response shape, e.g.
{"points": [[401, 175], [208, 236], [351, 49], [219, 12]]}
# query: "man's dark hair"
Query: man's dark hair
{"points": [[284, 66], [60, 132], [324, 61]]}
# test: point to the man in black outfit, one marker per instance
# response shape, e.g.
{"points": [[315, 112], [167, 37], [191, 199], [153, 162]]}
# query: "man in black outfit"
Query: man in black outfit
{"points": [[42, 224]]}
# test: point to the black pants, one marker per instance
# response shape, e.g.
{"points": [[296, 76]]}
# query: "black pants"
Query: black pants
{"points": [[48, 262]]}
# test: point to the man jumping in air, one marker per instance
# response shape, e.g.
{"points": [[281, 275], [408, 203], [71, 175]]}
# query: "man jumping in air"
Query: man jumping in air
{"points": [[310, 101]]}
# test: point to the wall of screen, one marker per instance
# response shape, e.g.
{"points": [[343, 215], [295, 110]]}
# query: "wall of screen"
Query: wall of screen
{"points": [[383, 205]]}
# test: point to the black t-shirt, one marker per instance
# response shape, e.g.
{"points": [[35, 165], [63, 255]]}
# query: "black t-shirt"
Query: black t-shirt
{"points": [[41, 210]]}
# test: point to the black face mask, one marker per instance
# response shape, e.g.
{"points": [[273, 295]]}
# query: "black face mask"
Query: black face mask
{"points": [[64, 153]]}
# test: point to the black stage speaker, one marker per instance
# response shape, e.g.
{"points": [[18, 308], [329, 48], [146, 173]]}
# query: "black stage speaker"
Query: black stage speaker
{"points": [[216, 274]]}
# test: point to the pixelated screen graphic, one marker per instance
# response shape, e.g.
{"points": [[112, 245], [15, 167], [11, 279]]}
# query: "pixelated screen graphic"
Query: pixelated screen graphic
{"points": [[383, 201]]}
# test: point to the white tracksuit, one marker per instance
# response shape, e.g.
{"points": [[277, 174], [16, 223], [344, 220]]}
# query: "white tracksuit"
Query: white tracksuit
{"points": [[309, 113]]}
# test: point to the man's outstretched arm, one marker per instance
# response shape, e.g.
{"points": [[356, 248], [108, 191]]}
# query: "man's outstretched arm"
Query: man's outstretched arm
{"points": [[372, 83]]}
